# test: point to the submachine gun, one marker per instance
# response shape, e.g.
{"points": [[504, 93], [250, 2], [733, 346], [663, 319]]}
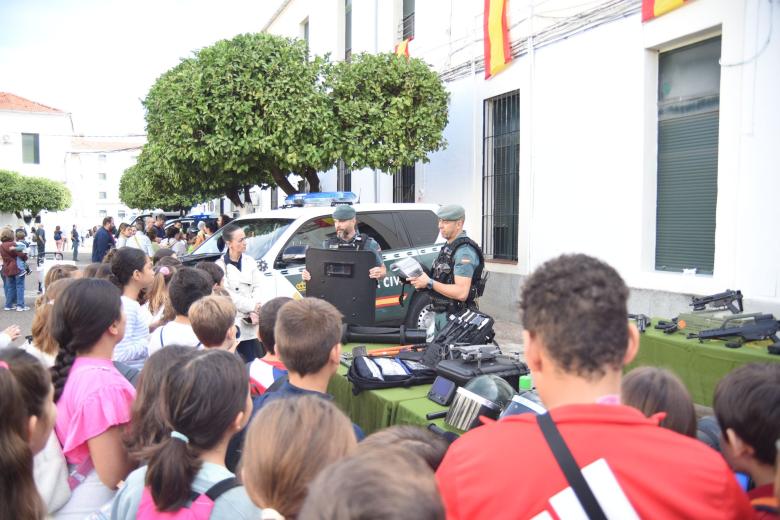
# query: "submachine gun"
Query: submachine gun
{"points": [[762, 326], [731, 300]]}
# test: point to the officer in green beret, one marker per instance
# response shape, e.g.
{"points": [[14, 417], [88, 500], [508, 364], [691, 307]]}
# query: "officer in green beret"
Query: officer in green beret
{"points": [[347, 237], [457, 271]]}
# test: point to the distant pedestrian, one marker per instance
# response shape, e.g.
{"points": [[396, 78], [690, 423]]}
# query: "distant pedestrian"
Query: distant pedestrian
{"points": [[75, 239], [103, 241], [13, 279], [58, 239]]}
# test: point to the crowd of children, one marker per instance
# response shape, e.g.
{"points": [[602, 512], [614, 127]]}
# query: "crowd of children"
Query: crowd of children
{"points": [[130, 400]]}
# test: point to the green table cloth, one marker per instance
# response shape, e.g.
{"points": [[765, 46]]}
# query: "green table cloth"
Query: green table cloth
{"points": [[700, 365]]}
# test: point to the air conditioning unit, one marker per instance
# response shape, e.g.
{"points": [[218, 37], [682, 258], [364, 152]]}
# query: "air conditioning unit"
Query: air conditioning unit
{"points": [[6, 139]]}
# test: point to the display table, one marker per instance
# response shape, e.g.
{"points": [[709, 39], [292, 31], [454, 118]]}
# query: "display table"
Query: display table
{"points": [[700, 365]]}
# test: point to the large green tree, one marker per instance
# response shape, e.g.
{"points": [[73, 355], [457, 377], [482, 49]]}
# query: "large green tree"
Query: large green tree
{"points": [[19, 193], [391, 111], [247, 111]]}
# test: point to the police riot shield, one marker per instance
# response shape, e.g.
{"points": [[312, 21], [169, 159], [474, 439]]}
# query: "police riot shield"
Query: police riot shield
{"points": [[340, 277]]}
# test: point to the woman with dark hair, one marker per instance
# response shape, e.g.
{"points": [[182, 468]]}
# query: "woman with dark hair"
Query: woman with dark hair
{"points": [[223, 220], [202, 404], [93, 398], [27, 413], [243, 281], [132, 272], [59, 239]]}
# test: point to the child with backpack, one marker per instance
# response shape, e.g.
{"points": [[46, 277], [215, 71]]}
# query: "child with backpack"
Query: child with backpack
{"points": [[204, 403]]}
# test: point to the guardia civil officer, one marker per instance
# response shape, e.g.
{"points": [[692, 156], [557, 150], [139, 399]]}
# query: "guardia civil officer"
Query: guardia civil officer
{"points": [[456, 272], [347, 237]]}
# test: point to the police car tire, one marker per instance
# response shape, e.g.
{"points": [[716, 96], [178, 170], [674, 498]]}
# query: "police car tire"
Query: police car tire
{"points": [[420, 305]]}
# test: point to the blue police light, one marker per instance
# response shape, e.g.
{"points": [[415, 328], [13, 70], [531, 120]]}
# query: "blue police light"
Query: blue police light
{"points": [[324, 198]]}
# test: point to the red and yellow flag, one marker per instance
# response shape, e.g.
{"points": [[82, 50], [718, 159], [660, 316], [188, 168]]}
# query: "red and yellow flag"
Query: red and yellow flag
{"points": [[653, 8], [402, 49], [497, 51]]}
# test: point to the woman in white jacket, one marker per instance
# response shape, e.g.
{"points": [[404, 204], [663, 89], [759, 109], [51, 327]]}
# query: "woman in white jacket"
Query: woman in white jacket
{"points": [[244, 281]]}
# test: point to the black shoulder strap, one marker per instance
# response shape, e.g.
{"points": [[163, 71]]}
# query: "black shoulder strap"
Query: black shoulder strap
{"points": [[215, 491], [461, 241], [570, 468], [276, 384]]}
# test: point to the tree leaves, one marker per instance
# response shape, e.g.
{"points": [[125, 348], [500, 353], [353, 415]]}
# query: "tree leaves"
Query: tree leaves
{"points": [[34, 194]]}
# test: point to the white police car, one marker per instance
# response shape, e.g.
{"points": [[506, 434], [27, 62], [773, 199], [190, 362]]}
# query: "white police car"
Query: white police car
{"points": [[274, 238]]}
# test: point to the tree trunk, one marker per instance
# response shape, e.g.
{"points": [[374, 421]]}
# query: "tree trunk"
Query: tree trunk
{"points": [[232, 194], [313, 179], [282, 181]]}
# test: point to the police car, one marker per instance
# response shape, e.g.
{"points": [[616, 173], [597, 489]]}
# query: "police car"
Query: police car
{"points": [[277, 240]]}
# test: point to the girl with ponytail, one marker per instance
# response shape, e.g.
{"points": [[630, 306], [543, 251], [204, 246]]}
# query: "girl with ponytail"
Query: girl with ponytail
{"points": [[93, 398], [131, 272], [26, 420], [202, 404]]}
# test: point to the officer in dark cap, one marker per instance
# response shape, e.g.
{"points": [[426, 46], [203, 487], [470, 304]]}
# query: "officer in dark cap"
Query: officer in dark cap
{"points": [[347, 237], [455, 281]]}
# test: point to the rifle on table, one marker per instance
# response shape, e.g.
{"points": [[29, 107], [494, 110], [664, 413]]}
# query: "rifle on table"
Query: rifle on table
{"points": [[763, 326], [731, 300], [642, 321]]}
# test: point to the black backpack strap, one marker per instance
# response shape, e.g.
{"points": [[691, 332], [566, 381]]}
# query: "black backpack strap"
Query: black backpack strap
{"points": [[570, 468], [215, 491], [276, 384]]}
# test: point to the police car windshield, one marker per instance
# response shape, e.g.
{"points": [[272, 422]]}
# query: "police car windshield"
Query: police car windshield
{"points": [[260, 236]]}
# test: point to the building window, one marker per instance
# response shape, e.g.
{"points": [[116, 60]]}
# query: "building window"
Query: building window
{"points": [[102, 213], [343, 177], [102, 157], [31, 153], [101, 176], [687, 182], [500, 176], [121, 214], [305, 33], [407, 23], [347, 30], [102, 195], [403, 185]]}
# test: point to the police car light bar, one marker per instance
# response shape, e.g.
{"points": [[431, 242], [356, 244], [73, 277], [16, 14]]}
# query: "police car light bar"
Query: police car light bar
{"points": [[325, 198]]}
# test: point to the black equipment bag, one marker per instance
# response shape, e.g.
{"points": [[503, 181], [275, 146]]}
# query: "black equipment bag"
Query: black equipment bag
{"points": [[395, 335], [378, 372], [464, 371], [340, 277]]}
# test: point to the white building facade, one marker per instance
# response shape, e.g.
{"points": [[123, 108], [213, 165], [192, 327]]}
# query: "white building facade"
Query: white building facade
{"points": [[39, 141], [653, 146]]}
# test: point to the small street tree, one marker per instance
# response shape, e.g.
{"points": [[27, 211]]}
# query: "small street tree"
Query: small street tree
{"points": [[19, 194], [242, 112], [390, 111]]}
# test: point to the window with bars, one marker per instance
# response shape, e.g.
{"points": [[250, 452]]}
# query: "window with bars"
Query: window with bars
{"points": [[407, 23], [403, 184], [500, 176], [687, 178], [343, 177], [347, 30]]}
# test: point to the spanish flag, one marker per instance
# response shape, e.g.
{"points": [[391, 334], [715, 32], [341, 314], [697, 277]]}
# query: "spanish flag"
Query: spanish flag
{"points": [[402, 49], [653, 8], [497, 51]]}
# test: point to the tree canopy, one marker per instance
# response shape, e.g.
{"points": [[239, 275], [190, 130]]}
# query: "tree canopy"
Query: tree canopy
{"points": [[255, 109], [391, 111], [19, 193]]}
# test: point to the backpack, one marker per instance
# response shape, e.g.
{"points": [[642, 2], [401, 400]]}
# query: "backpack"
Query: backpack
{"points": [[199, 509]]}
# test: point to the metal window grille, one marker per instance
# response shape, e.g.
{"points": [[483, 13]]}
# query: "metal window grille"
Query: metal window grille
{"points": [[403, 184], [500, 176], [347, 30], [343, 177]]}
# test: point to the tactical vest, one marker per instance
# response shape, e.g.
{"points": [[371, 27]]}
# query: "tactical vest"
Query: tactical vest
{"points": [[358, 243], [443, 271]]}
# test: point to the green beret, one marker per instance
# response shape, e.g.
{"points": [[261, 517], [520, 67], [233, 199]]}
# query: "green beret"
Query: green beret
{"points": [[344, 212], [451, 212]]}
